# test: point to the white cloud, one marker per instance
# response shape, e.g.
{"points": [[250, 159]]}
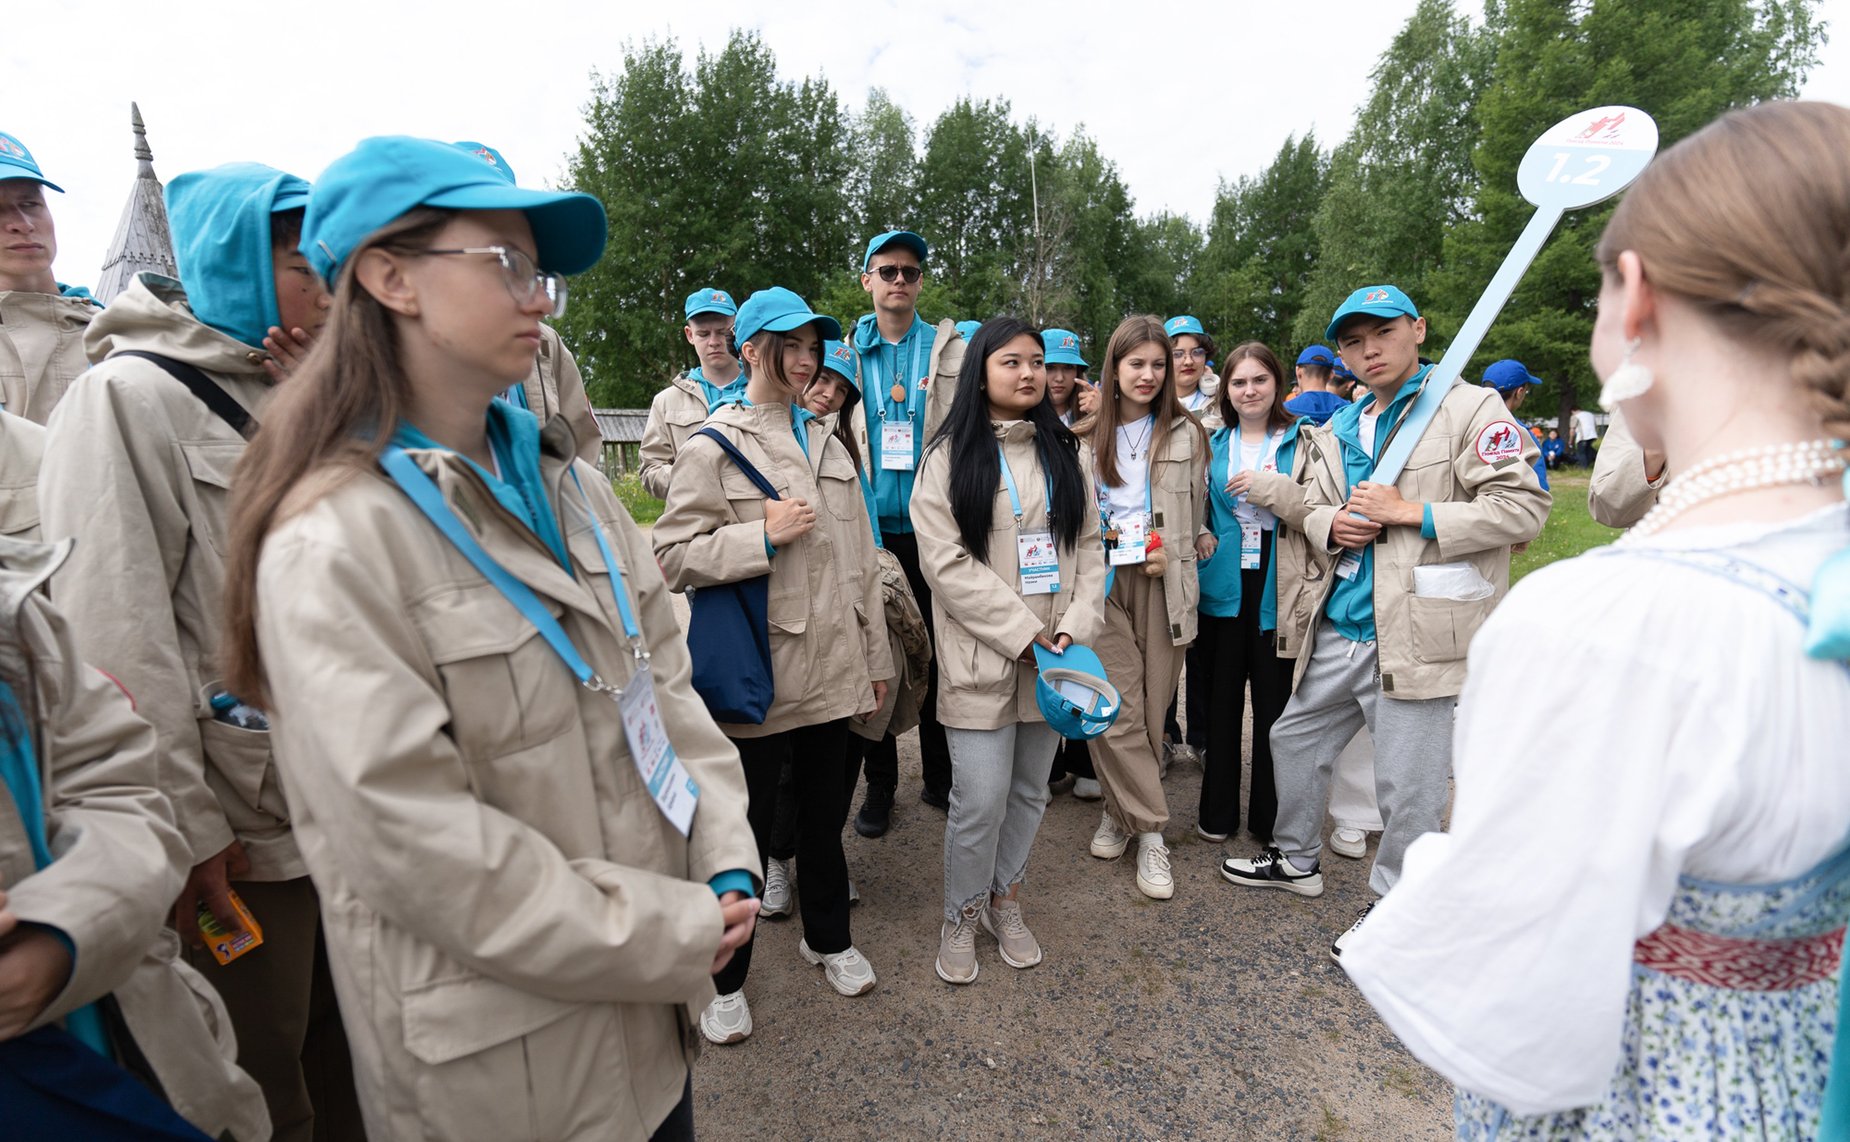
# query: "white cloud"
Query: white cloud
{"points": [[1179, 94]]}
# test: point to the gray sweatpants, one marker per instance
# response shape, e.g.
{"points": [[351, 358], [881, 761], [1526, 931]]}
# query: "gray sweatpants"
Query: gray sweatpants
{"points": [[1339, 693], [998, 794]]}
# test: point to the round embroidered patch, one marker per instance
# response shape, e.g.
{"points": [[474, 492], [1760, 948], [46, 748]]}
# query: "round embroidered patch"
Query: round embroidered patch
{"points": [[1499, 440]]}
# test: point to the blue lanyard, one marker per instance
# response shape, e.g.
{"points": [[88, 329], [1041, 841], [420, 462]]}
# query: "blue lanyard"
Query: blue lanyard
{"points": [[1008, 481], [423, 492], [912, 388]]}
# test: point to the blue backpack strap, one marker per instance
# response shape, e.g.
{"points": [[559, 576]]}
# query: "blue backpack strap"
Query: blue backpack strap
{"points": [[745, 466]]}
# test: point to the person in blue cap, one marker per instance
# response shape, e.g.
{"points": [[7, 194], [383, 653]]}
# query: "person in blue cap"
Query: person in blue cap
{"points": [[1066, 370], [42, 320], [1511, 379], [1380, 636], [967, 329], [555, 387], [138, 463], [1192, 360], [908, 370], [1344, 384], [528, 834], [683, 405], [1315, 402], [830, 658]]}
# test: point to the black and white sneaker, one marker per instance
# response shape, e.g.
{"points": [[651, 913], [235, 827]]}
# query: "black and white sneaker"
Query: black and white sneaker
{"points": [[1336, 949], [1271, 869]]}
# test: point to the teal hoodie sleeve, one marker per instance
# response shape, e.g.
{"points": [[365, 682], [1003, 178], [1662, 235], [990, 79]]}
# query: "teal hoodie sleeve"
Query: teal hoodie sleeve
{"points": [[221, 240]]}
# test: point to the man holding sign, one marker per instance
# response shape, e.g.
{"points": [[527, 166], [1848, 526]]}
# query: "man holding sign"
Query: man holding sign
{"points": [[1419, 560]]}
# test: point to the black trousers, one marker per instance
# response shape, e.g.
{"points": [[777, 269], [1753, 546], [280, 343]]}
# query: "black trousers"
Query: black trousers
{"points": [[934, 751], [1235, 652], [679, 1125], [1075, 757], [1191, 695], [816, 755]]}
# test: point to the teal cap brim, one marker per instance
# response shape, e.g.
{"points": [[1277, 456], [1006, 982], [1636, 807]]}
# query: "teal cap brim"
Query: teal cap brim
{"points": [[27, 176], [569, 228], [784, 323]]}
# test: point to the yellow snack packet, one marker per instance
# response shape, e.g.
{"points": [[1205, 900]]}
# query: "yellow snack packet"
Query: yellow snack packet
{"points": [[228, 944]]}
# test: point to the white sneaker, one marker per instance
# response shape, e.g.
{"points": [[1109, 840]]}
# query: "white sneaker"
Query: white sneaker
{"points": [[1352, 843], [957, 949], [1087, 789], [779, 900], [1342, 941], [1109, 842], [1153, 876], [728, 1019], [848, 972]]}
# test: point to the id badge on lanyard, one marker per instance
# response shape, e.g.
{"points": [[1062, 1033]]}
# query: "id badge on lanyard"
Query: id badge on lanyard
{"points": [[1036, 559], [1252, 539], [1349, 565], [1252, 531], [899, 439], [667, 780], [1128, 540]]}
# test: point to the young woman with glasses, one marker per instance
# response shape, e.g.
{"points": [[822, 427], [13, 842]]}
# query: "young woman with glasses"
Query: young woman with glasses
{"points": [[473, 671]]}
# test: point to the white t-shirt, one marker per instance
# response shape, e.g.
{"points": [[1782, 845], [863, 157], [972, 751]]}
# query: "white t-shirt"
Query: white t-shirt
{"points": [[1584, 426], [1134, 494], [1254, 454], [1367, 429], [1196, 401], [1702, 741]]}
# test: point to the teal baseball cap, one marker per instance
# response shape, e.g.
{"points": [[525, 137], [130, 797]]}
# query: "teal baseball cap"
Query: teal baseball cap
{"points": [[1061, 347], [488, 155], [1177, 326], [839, 356], [778, 310], [385, 176], [967, 329], [904, 238], [16, 162], [710, 299], [1372, 301]]}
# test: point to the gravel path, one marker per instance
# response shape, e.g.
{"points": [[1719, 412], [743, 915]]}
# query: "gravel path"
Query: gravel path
{"points": [[1215, 1015]]}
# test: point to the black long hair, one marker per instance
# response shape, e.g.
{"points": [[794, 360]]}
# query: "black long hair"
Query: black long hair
{"points": [[976, 465]]}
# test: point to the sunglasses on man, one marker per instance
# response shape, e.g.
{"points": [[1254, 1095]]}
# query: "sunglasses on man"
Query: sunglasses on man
{"points": [[911, 274]]}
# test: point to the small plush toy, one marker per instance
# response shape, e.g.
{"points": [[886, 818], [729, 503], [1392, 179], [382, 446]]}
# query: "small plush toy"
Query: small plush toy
{"points": [[1155, 559]]}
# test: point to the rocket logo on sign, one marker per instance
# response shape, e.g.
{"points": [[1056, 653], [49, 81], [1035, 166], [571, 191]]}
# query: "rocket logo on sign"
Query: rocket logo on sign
{"points": [[1605, 128], [1500, 440]]}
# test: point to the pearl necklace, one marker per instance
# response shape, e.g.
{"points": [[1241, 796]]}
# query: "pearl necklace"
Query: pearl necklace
{"points": [[1748, 470]]}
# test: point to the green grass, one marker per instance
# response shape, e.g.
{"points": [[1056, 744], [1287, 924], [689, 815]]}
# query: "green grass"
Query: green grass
{"points": [[1570, 529], [644, 508]]}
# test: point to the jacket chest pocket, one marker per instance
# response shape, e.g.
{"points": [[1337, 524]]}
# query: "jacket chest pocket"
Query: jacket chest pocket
{"points": [[746, 498], [210, 465], [683, 422], [507, 689], [1428, 474]]}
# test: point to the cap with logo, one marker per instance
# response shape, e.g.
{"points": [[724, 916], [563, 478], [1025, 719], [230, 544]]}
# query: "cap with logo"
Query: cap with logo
{"points": [[1061, 347], [1177, 326], [778, 310], [839, 356], [488, 155], [16, 162], [1372, 301], [710, 299], [1506, 376], [1340, 371], [967, 329], [1317, 355], [904, 238], [388, 175]]}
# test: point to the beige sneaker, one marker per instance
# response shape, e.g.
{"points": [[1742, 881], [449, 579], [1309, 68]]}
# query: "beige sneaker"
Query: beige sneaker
{"points": [[957, 948], [1018, 946], [1153, 876], [1109, 842]]}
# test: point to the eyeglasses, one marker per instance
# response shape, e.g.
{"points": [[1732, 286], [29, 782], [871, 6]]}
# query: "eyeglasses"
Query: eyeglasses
{"points": [[523, 279], [912, 274], [1185, 354]]}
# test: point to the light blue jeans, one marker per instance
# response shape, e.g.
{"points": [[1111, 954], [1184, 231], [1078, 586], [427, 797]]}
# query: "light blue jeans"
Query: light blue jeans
{"points": [[998, 794]]}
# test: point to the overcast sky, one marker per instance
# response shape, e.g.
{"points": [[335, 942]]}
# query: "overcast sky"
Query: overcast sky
{"points": [[1180, 95]]}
